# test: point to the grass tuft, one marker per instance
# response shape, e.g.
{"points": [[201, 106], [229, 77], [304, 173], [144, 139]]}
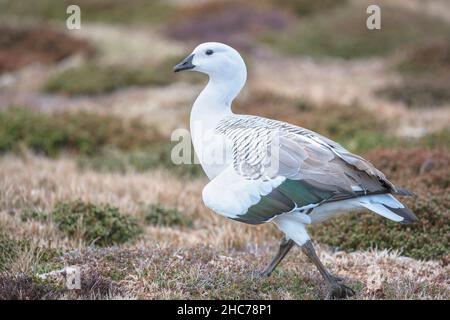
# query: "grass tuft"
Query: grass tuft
{"points": [[103, 225], [159, 215]]}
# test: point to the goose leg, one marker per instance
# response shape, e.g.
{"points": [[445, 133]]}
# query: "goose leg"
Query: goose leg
{"points": [[335, 289], [285, 246]]}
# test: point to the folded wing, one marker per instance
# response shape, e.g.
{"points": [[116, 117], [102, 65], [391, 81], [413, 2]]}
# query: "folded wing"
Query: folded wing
{"points": [[278, 167]]}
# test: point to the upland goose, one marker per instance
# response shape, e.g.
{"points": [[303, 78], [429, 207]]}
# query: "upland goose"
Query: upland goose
{"points": [[263, 170]]}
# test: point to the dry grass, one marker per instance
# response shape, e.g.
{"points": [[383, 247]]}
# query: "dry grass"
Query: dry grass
{"points": [[213, 258], [202, 272], [40, 183]]}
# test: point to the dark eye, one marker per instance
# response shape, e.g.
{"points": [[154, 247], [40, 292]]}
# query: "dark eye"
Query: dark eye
{"points": [[209, 52]]}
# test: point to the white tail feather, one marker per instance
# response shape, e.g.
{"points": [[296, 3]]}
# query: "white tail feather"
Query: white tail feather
{"points": [[375, 204]]}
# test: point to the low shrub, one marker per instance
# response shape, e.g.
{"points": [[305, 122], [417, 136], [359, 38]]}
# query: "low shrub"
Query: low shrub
{"points": [[159, 215], [103, 225], [80, 132]]}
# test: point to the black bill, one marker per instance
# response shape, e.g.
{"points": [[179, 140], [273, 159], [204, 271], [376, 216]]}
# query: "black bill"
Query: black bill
{"points": [[186, 64]]}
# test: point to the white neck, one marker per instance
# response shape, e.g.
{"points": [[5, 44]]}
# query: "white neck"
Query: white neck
{"points": [[211, 106], [213, 103]]}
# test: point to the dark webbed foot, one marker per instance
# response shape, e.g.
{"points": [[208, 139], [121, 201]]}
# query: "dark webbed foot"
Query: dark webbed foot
{"points": [[336, 290], [261, 274], [338, 279], [285, 246], [339, 291]]}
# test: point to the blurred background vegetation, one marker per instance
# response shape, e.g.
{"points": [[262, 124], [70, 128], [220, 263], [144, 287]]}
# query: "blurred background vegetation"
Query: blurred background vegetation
{"points": [[105, 97]]}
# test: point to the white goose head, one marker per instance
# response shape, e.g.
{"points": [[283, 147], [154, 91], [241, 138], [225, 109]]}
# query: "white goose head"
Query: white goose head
{"points": [[223, 64]]}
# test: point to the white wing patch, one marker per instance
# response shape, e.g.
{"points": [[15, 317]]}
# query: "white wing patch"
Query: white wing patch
{"points": [[231, 195]]}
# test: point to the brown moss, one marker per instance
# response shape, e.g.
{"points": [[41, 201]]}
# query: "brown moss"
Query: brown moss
{"points": [[23, 46]]}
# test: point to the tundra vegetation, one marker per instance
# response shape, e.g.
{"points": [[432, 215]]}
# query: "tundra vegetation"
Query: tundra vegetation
{"points": [[86, 117]]}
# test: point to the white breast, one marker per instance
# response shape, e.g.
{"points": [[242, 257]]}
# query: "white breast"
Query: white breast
{"points": [[213, 152]]}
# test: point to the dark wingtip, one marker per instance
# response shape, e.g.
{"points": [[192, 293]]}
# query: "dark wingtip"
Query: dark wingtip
{"points": [[404, 192], [407, 215], [410, 219]]}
